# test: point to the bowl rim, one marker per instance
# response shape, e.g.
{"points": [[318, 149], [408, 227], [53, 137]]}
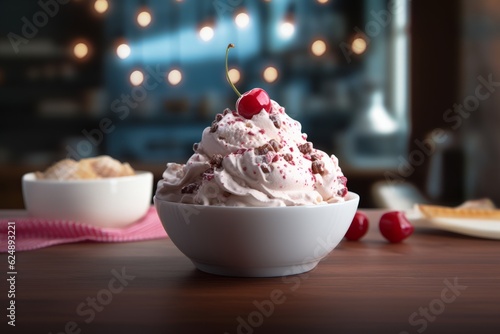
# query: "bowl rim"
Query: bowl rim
{"points": [[30, 178], [352, 197]]}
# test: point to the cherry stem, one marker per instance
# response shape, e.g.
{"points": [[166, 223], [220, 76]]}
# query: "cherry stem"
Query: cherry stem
{"points": [[231, 45]]}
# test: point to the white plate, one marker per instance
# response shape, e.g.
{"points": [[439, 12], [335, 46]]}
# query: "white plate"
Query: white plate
{"points": [[481, 228]]}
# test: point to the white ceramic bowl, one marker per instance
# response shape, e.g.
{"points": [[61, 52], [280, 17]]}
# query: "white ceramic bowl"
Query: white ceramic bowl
{"points": [[107, 202], [256, 242]]}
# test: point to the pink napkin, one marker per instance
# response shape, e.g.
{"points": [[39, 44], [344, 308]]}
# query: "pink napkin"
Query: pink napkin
{"points": [[34, 233]]}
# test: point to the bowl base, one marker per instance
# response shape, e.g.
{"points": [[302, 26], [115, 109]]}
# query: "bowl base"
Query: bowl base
{"points": [[256, 271]]}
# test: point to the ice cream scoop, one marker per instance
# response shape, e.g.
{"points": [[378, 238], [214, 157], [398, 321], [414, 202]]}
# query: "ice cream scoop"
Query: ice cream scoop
{"points": [[255, 156], [262, 161]]}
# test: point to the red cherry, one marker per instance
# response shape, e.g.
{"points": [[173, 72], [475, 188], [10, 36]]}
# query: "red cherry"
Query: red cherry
{"points": [[358, 228], [252, 102], [395, 227]]}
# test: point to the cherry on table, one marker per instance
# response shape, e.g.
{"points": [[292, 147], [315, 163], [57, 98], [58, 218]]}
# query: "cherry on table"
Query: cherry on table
{"points": [[395, 227], [358, 227]]}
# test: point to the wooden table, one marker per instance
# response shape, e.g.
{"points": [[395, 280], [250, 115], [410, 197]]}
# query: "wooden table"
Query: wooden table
{"points": [[434, 282]]}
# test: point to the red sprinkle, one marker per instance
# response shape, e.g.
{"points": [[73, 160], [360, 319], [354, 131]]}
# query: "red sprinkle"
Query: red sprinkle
{"points": [[343, 180], [342, 192], [241, 151]]}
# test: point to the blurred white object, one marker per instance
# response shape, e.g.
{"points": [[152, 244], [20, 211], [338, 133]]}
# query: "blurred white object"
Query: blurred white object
{"points": [[397, 196], [470, 226], [107, 202], [377, 119]]}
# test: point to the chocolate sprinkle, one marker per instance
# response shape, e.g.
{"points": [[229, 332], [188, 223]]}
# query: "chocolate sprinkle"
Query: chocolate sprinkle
{"points": [[190, 188], [288, 157], [306, 148], [265, 168], [214, 126], [216, 160], [318, 167], [276, 146], [218, 117], [264, 149], [276, 121]]}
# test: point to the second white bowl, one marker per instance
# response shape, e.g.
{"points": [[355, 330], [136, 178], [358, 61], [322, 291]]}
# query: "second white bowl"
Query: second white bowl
{"points": [[107, 202]]}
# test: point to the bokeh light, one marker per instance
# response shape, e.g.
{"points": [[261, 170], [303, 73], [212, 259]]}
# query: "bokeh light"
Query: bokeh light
{"points": [[206, 33], [242, 20], [359, 46], [174, 77], [270, 74], [123, 51], [136, 78], [234, 75], [144, 18], [286, 29], [101, 6], [318, 47], [80, 50]]}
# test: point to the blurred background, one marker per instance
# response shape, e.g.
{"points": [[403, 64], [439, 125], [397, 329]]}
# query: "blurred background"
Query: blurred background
{"points": [[404, 93]]}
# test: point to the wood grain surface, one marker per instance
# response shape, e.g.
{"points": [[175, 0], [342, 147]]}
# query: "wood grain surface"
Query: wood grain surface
{"points": [[434, 282]]}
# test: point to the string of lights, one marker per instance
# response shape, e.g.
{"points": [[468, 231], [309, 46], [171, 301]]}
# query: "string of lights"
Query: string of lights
{"points": [[206, 32]]}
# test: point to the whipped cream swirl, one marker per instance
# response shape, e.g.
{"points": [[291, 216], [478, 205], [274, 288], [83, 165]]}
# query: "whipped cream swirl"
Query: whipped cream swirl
{"points": [[262, 161]]}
